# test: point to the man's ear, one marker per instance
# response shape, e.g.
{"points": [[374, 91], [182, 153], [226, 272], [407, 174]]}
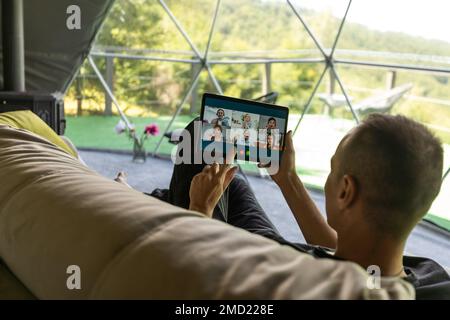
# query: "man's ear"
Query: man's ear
{"points": [[347, 192]]}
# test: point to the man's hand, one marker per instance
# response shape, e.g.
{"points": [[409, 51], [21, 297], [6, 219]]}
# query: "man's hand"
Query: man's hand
{"points": [[208, 186], [286, 168]]}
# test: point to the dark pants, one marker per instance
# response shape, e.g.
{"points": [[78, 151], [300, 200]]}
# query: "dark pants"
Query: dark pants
{"points": [[243, 211]]}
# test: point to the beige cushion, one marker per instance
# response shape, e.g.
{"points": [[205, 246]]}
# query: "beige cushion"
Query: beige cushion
{"points": [[55, 212], [26, 119], [11, 287]]}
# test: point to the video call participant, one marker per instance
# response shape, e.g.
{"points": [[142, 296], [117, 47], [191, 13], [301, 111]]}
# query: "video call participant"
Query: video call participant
{"points": [[221, 119], [243, 137], [273, 141], [269, 141], [271, 124], [217, 133], [247, 121]]}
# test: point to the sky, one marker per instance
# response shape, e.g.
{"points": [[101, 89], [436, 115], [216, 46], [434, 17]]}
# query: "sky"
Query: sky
{"points": [[429, 19]]}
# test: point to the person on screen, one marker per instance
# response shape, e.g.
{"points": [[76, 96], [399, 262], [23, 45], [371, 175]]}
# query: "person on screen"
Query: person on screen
{"points": [[242, 137], [266, 141], [221, 119], [271, 124], [217, 133], [269, 142], [384, 176], [247, 121]]}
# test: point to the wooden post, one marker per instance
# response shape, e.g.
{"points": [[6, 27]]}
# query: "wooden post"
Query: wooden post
{"points": [[391, 79], [110, 82], [267, 78], [194, 103], [79, 95]]}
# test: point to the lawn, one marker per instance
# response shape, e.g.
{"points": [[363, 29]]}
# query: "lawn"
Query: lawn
{"points": [[98, 132]]}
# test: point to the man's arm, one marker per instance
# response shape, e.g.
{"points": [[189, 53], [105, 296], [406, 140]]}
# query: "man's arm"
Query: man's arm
{"points": [[314, 227], [311, 222]]}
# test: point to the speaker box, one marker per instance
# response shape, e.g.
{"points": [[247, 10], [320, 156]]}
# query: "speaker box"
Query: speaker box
{"points": [[49, 107]]}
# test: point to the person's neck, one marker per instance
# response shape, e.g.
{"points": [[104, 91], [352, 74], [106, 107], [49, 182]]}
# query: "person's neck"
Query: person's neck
{"points": [[359, 247]]}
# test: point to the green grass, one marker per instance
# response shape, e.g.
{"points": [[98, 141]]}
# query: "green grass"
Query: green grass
{"points": [[439, 221], [98, 132]]}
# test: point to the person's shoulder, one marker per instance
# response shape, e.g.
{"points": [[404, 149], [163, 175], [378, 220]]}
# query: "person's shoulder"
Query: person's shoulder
{"points": [[425, 266], [429, 278]]}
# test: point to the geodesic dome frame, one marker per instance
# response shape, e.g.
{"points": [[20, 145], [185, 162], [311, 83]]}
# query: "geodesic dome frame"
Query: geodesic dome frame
{"points": [[51, 53], [205, 62]]}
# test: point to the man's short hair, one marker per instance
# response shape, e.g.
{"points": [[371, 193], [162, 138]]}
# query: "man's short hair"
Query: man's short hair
{"points": [[397, 164]]}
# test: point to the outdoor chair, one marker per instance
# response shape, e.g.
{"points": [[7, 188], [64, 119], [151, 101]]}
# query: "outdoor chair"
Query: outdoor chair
{"points": [[381, 103]]}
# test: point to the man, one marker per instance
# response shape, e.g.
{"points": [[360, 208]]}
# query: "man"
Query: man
{"points": [[221, 119], [384, 177]]}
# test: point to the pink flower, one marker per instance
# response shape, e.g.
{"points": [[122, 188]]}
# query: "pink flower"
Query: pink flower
{"points": [[152, 129]]}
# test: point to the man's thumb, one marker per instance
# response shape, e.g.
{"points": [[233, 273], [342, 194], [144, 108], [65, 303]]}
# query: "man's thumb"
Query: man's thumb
{"points": [[229, 177], [289, 143]]}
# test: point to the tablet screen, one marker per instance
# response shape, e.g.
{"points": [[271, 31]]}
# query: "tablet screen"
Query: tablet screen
{"points": [[256, 130]]}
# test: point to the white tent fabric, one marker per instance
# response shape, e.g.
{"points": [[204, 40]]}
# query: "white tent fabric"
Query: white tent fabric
{"points": [[53, 53]]}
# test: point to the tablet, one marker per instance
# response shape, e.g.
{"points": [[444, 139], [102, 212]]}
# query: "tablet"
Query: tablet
{"points": [[255, 130]]}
